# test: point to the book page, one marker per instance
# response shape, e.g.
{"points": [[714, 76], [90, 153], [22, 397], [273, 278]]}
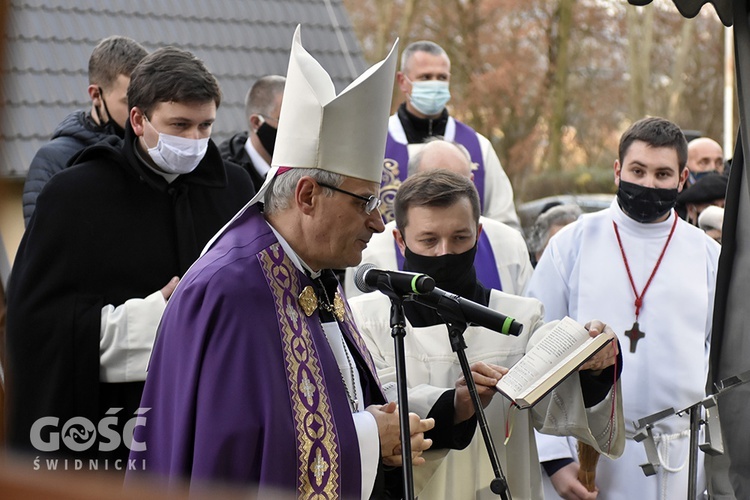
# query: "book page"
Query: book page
{"points": [[564, 338], [565, 366]]}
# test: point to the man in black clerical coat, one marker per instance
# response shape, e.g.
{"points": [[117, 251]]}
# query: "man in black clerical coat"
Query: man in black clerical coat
{"points": [[102, 253]]}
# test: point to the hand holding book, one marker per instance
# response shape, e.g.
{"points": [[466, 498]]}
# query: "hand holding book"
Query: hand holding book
{"points": [[604, 358], [485, 376], [567, 347]]}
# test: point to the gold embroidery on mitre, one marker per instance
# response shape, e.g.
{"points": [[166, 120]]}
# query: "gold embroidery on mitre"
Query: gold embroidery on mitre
{"points": [[308, 300]]}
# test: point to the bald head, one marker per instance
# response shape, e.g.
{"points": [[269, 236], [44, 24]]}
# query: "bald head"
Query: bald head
{"points": [[441, 154], [705, 155]]}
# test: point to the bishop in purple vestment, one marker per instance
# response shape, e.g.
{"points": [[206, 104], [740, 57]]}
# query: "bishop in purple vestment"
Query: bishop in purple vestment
{"points": [[258, 375]]}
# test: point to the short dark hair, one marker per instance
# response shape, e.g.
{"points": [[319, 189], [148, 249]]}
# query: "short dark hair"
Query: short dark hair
{"points": [[170, 74], [434, 188], [112, 57], [261, 97], [657, 133]]}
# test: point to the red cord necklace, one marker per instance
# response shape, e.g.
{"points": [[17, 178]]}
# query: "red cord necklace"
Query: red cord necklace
{"points": [[634, 334]]}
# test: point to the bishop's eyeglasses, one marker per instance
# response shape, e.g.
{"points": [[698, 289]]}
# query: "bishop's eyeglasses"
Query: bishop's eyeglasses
{"points": [[372, 202]]}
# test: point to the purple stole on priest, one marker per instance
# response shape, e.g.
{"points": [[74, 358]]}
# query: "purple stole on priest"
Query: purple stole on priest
{"points": [[397, 159]]}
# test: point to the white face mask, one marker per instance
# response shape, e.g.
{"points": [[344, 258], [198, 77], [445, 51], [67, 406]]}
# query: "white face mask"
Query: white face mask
{"points": [[177, 155]]}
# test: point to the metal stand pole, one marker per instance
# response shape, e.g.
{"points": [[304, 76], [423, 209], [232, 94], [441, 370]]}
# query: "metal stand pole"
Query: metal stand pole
{"points": [[499, 484], [695, 423], [398, 332], [713, 444]]}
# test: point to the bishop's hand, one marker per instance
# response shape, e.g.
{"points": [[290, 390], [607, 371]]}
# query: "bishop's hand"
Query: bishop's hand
{"points": [[386, 417]]}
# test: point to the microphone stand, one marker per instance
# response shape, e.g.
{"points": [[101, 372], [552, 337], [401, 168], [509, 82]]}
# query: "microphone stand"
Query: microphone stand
{"points": [[713, 444], [454, 319], [398, 332]]}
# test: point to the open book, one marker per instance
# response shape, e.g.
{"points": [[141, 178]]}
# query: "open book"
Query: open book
{"points": [[549, 362]]}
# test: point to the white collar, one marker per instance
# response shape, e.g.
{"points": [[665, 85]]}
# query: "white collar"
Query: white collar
{"points": [[296, 260], [259, 164], [647, 229]]}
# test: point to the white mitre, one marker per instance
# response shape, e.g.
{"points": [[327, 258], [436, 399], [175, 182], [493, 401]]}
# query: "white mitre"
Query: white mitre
{"points": [[344, 133]]}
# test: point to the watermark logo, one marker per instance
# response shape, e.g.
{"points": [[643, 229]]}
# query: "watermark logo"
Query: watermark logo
{"points": [[92, 464], [80, 434]]}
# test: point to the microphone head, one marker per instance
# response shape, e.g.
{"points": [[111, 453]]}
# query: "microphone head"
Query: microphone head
{"points": [[359, 278]]}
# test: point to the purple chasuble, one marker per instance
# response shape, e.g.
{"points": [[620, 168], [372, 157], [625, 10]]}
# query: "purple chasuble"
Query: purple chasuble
{"points": [[484, 263], [396, 162], [242, 386]]}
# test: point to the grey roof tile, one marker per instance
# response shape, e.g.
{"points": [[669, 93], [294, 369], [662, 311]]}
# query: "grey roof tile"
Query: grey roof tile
{"points": [[49, 43]]}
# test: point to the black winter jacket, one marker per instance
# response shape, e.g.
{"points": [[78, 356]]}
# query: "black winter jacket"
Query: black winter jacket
{"points": [[233, 150], [76, 132]]}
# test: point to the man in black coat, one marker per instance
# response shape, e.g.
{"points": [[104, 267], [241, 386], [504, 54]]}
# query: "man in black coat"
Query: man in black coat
{"points": [[100, 257], [253, 150], [110, 65]]}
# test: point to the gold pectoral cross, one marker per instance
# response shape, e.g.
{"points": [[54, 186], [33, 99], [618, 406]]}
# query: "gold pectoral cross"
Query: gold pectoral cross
{"points": [[309, 302]]}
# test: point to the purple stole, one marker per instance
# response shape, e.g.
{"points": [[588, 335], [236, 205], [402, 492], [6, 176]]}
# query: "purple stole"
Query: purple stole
{"points": [[319, 454], [397, 159], [484, 263]]}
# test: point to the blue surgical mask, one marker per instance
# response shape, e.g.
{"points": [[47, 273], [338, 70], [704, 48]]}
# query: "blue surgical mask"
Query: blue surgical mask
{"points": [[429, 97]]}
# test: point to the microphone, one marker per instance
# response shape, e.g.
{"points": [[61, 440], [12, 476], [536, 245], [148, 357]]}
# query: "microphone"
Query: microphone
{"points": [[369, 279], [450, 303]]}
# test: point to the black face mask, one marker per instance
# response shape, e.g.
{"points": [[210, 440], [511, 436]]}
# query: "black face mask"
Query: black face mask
{"points": [[111, 127], [644, 204], [267, 136], [452, 272]]}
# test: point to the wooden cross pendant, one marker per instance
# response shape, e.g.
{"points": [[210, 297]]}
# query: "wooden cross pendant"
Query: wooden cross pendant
{"points": [[634, 334]]}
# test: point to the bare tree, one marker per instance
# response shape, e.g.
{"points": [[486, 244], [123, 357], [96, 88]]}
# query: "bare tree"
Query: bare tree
{"points": [[560, 66], [677, 86], [553, 83], [640, 26]]}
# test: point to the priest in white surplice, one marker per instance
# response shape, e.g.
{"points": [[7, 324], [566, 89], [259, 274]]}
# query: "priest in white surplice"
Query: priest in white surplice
{"points": [[649, 274], [437, 214]]}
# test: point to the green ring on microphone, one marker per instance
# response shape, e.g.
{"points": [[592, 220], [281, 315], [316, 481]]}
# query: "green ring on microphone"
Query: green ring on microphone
{"points": [[506, 325], [414, 283]]}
